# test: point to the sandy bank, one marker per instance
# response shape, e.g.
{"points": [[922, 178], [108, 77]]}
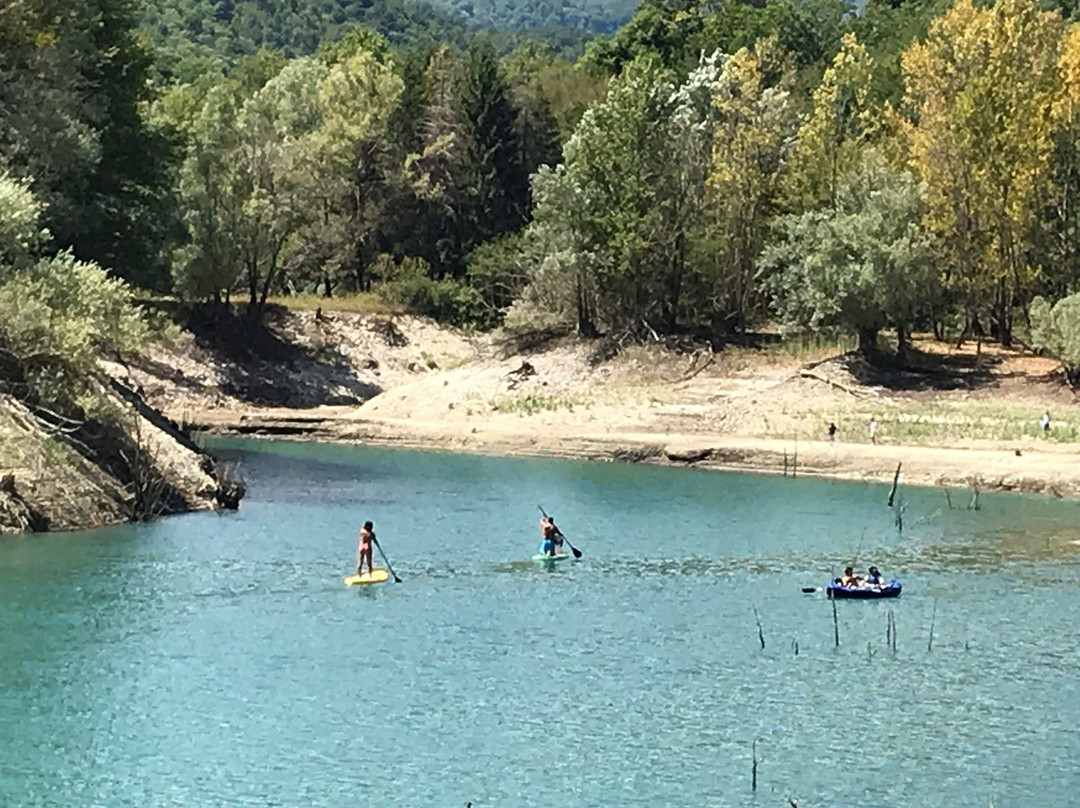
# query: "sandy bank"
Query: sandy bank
{"points": [[1039, 467], [965, 418]]}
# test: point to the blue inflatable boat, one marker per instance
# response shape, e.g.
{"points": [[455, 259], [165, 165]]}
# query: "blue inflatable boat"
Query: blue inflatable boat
{"points": [[889, 590]]}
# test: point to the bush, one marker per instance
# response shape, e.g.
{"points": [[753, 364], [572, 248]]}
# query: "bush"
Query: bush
{"points": [[59, 318], [498, 270], [446, 301], [1056, 330]]}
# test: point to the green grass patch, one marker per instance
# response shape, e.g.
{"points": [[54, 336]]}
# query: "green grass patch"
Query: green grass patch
{"points": [[532, 403], [359, 303], [942, 424], [808, 347]]}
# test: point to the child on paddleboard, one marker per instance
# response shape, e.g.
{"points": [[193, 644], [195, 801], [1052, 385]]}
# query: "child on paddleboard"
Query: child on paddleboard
{"points": [[552, 536], [363, 550]]}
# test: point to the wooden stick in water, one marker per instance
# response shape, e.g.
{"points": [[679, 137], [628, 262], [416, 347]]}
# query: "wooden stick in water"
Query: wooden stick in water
{"points": [[895, 480], [760, 634], [933, 615], [835, 624]]}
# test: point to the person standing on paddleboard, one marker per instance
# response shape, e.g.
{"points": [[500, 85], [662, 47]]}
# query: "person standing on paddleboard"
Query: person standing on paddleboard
{"points": [[363, 550], [552, 536]]}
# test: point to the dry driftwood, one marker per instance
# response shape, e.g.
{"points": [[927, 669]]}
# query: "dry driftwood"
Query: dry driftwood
{"points": [[809, 374]]}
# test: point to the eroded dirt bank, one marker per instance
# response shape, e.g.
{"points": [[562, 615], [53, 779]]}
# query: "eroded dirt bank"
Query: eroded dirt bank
{"points": [[63, 474]]}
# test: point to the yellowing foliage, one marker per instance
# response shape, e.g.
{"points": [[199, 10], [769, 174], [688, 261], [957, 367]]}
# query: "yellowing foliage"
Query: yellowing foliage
{"points": [[979, 93], [834, 133]]}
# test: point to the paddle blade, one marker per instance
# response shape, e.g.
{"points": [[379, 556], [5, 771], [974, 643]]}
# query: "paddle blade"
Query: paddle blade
{"points": [[576, 551]]}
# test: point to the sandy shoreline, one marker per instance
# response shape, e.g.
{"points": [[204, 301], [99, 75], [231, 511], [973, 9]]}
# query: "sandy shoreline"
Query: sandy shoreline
{"points": [[1039, 467], [963, 417]]}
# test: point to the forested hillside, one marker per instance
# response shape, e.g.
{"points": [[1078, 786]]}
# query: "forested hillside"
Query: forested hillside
{"points": [[194, 36], [707, 170]]}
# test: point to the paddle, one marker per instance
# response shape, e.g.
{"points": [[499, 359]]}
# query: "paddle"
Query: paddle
{"points": [[573, 549], [810, 589], [386, 561]]}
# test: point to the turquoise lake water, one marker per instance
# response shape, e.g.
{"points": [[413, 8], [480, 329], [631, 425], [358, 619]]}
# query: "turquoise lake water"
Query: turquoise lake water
{"points": [[217, 659]]}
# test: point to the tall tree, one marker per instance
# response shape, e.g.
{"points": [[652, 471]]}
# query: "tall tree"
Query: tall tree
{"points": [[1057, 237], [832, 135], [978, 102], [617, 216], [275, 180], [750, 149], [74, 82], [499, 182]]}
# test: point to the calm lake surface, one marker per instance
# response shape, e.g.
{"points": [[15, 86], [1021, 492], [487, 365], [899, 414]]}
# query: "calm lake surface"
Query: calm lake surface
{"points": [[217, 659]]}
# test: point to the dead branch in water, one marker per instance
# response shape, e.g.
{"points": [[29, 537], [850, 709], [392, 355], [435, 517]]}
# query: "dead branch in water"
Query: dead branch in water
{"points": [[895, 480], [148, 488], [835, 624], [933, 616]]}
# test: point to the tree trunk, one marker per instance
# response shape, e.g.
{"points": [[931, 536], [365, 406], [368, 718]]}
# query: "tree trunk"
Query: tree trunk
{"points": [[585, 325], [1005, 315], [868, 342], [901, 341]]}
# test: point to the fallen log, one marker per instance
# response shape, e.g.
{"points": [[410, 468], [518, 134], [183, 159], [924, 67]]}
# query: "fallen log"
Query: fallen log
{"points": [[809, 374]]}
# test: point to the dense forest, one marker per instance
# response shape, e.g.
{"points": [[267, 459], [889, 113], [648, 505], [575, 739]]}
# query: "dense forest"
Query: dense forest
{"points": [[193, 37], [707, 169]]}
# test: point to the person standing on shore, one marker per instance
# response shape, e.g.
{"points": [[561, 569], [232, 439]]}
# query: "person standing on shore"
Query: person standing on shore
{"points": [[873, 430], [1045, 423], [832, 432]]}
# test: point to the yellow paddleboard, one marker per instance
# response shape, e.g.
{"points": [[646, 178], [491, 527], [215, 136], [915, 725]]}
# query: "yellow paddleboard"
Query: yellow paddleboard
{"points": [[372, 577]]}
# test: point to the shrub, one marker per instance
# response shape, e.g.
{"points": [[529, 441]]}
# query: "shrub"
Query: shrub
{"points": [[1056, 330], [446, 300], [58, 318]]}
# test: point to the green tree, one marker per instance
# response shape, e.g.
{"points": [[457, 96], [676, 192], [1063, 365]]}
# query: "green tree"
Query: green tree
{"points": [[859, 268], [615, 219], [274, 183], [752, 142], [74, 83], [1056, 329], [1056, 239], [499, 182]]}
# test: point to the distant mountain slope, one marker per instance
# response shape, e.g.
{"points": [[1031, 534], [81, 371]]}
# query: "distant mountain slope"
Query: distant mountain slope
{"points": [[192, 34], [590, 15]]}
